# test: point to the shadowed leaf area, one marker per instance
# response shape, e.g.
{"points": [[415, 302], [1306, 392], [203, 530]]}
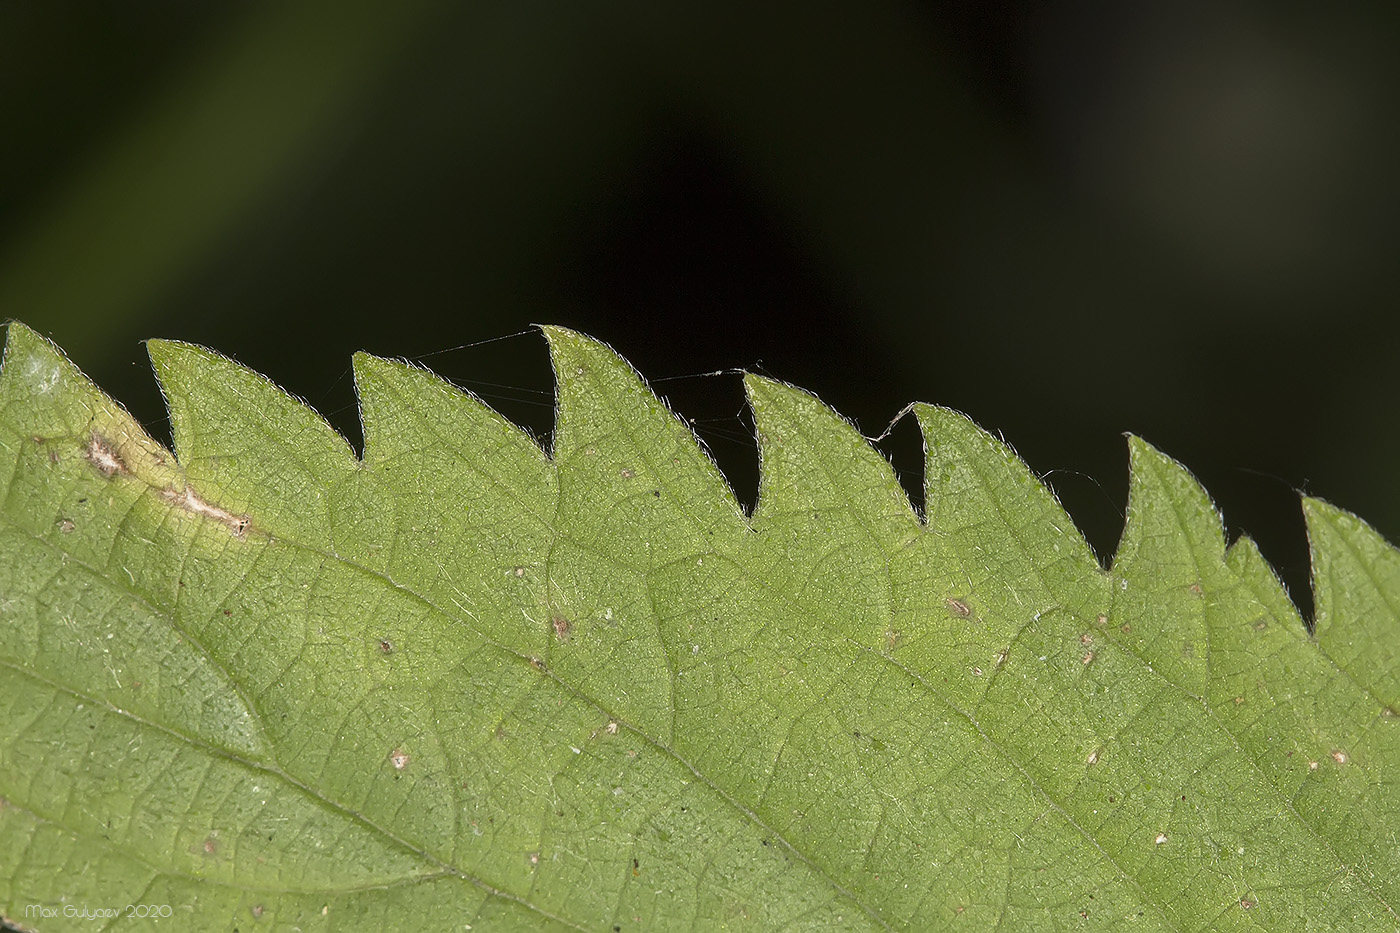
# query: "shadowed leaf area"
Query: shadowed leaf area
{"points": [[461, 682]]}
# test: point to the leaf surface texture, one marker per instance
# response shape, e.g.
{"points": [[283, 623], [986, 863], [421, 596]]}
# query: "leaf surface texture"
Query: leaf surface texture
{"points": [[465, 681]]}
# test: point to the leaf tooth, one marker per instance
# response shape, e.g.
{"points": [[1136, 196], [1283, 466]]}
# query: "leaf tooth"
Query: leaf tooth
{"points": [[977, 486], [1163, 496], [46, 396], [612, 429], [1247, 563], [1356, 574], [249, 448], [814, 459], [1170, 568], [449, 483], [638, 501], [406, 409]]}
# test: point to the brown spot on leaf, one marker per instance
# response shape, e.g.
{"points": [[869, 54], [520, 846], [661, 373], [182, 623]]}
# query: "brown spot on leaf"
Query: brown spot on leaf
{"points": [[959, 607], [386, 646], [66, 526], [399, 759], [562, 626]]}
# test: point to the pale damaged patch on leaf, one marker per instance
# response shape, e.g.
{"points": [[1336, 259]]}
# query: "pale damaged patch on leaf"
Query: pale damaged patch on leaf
{"points": [[103, 454], [188, 500]]}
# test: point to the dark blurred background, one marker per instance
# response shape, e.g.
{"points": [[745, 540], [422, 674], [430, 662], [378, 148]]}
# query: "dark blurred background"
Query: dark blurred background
{"points": [[1068, 221]]}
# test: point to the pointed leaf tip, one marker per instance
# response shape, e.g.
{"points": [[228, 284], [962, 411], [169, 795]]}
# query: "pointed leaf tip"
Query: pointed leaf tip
{"points": [[971, 476], [1356, 586], [813, 458], [609, 419], [1162, 488], [248, 447]]}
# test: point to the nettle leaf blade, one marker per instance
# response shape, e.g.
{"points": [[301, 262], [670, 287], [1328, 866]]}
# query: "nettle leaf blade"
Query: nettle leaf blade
{"points": [[466, 681]]}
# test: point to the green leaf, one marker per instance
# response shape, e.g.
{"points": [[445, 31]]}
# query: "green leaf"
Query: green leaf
{"points": [[462, 682]]}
